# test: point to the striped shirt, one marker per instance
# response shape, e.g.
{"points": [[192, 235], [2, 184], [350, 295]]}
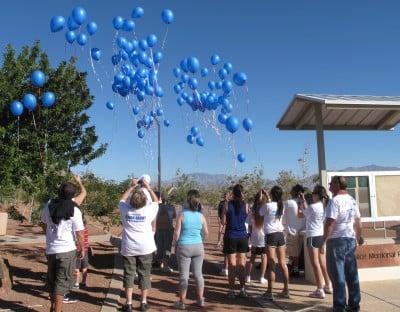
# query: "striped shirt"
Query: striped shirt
{"points": [[85, 239]]}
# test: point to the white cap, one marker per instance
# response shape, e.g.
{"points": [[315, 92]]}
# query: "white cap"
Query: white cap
{"points": [[145, 177]]}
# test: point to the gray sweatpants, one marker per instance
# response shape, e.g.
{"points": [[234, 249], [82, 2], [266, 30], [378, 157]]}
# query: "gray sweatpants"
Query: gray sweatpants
{"points": [[190, 254]]}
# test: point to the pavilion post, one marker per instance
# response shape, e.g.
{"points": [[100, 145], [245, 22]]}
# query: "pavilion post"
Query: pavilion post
{"points": [[320, 141]]}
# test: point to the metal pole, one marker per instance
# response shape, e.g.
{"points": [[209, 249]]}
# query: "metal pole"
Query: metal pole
{"points": [[159, 155], [320, 141]]}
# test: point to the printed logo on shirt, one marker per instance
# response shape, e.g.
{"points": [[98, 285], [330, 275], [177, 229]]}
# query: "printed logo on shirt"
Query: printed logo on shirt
{"points": [[135, 218]]}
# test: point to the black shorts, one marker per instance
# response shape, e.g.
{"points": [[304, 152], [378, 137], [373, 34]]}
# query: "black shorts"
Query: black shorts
{"points": [[315, 241], [275, 240], [235, 245], [258, 250]]}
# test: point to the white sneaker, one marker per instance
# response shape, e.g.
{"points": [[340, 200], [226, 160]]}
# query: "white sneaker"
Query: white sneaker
{"points": [[263, 281], [318, 293], [248, 279], [223, 272]]}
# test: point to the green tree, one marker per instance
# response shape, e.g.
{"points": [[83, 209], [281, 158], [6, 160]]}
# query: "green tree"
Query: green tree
{"points": [[182, 185], [286, 179], [39, 147]]}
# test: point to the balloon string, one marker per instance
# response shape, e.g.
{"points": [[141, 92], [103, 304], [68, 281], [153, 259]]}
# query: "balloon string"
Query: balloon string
{"points": [[165, 39], [247, 98], [38, 143], [18, 131], [95, 73], [45, 138]]}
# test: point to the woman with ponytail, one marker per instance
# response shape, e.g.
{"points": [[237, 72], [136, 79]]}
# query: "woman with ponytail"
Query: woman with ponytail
{"points": [[275, 241], [190, 228], [236, 243]]}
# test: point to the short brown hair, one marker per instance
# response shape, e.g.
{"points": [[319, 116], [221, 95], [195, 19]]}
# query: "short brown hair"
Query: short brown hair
{"points": [[341, 181], [138, 198]]}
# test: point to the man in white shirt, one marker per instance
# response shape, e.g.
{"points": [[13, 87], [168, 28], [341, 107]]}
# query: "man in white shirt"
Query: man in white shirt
{"points": [[342, 232], [62, 222]]}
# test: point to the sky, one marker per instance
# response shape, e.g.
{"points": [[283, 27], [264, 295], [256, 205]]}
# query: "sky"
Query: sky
{"points": [[284, 47]]}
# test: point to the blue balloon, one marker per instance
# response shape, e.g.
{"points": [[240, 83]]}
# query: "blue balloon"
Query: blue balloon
{"points": [[149, 90], [193, 64], [71, 24], [153, 113], [184, 65], [136, 110], [137, 12], [126, 82], [57, 23], [29, 101], [16, 108], [110, 105], [157, 57], [184, 95], [151, 40], [190, 139], [240, 78], [211, 85], [159, 92], [210, 99], [143, 44], [140, 96], [185, 78], [177, 89], [48, 99], [222, 73], [215, 59], [247, 124], [193, 83], [81, 39], [70, 36], [222, 118], [160, 112], [115, 59], [95, 53], [141, 133], [227, 86], [241, 157], [167, 16], [194, 131], [79, 15], [121, 42], [204, 72], [118, 22], [218, 85], [38, 78], [91, 28], [166, 122], [232, 124], [177, 72], [228, 67], [200, 141], [118, 78], [180, 101], [227, 107], [128, 25]]}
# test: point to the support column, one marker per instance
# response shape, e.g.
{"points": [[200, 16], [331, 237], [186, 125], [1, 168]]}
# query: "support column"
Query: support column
{"points": [[320, 141]]}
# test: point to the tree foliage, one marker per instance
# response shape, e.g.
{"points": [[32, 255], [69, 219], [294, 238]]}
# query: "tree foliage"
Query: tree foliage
{"points": [[39, 147]]}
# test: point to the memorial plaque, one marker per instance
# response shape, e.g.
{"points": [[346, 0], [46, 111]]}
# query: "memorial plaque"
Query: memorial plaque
{"points": [[372, 256]]}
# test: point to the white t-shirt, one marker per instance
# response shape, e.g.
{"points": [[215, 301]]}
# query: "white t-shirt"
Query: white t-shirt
{"points": [[314, 215], [344, 209], [272, 224], [60, 237], [137, 235], [257, 237], [293, 224]]}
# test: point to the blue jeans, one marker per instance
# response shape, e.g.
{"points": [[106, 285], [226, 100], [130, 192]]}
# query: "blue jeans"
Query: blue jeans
{"points": [[342, 270]]}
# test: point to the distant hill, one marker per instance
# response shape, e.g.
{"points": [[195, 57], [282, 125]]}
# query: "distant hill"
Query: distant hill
{"points": [[371, 168]]}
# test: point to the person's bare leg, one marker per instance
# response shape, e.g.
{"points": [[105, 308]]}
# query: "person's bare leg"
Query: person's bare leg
{"points": [[313, 253], [322, 263], [84, 275], [241, 268], [226, 263], [271, 268], [128, 293], [250, 264], [58, 302], [77, 276], [264, 263], [281, 253], [232, 270], [144, 293]]}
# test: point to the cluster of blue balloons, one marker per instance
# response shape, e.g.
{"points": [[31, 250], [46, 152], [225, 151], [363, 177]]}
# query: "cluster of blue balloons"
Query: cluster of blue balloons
{"points": [[74, 31], [29, 101], [137, 63], [194, 136]]}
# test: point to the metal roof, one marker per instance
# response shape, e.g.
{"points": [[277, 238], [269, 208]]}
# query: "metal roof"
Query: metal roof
{"points": [[342, 112]]}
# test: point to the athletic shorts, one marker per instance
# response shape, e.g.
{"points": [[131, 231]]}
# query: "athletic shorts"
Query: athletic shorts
{"points": [[236, 245], [275, 240], [315, 241], [258, 250], [293, 245], [60, 272]]}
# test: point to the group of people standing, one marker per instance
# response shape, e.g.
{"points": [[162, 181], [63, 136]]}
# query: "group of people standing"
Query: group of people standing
{"points": [[269, 227]]}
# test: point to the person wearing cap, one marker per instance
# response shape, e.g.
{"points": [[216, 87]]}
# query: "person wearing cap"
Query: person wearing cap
{"points": [[342, 232]]}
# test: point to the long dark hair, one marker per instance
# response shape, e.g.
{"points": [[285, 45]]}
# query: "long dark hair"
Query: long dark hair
{"points": [[276, 196], [193, 200], [320, 191], [237, 200], [259, 200]]}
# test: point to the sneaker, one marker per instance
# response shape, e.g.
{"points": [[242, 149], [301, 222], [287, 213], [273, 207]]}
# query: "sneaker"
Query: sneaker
{"points": [[318, 293], [248, 279], [231, 294], [127, 307], [263, 281], [200, 302], [223, 272], [76, 285], [167, 269], [69, 299], [144, 306], [269, 296], [179, 305], [243, 293], [328, 289], [285, 294], [82, 285]]}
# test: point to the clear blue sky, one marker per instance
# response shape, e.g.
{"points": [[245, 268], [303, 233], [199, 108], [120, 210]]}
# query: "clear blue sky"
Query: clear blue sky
{"points": [[285, 47]]}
